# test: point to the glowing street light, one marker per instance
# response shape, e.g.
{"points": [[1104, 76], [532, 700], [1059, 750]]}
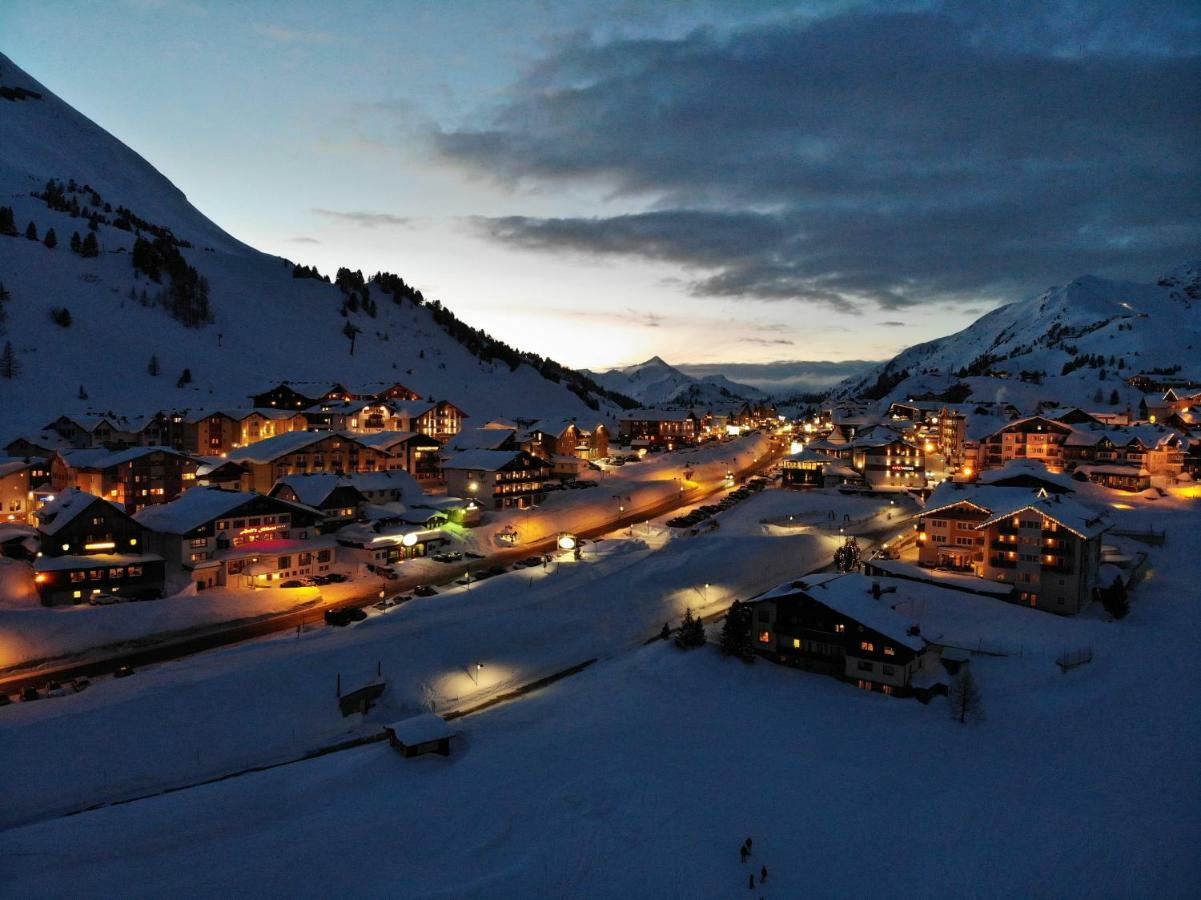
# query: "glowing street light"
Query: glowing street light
{"points": [[567, 541], [474, 672]]}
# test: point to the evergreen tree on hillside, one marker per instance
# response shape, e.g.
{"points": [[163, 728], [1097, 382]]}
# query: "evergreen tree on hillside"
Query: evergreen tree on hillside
{"points": [[736, 632], [83, 395], [1115, 599], [10, 366], [76, 242], [31, 232], [351, 331], [152, 367], [691, 633], [8, 225], [185, 378], [61, 316], [964, 698], [50, 240], [91, 247], [1114, 399], [5, 296]]}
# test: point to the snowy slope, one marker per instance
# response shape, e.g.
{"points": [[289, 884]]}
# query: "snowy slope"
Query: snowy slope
{"points": [[267, 325], [654, 382], [1144, 326]]}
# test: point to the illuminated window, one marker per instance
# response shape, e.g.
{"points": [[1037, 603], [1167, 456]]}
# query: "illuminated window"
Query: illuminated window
{"points": [[889, 651], [764, 637], [796, 643], [867, 645], [79, 576], [840, 627]]}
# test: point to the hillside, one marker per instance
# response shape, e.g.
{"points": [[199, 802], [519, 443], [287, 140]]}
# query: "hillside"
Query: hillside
{"points": [[235, 317], [654, 383], [1069, 344]]}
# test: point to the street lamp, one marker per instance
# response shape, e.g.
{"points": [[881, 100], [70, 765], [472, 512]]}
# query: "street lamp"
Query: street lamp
{"points": [[474, 672]]}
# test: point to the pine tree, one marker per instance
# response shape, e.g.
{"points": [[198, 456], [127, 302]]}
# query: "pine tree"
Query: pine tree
{"points": [[61, 316], [5, 296], [50, 240], [8, 225], [83, 395], [152, 367], [1115, 599], [665, 632], [965, 698], [31, 232], [736, 632], [351, 331], [185, 378], [1098, 397], [1114, 399], [76, 242], [10, 366], [691, 633], [91, 247]]}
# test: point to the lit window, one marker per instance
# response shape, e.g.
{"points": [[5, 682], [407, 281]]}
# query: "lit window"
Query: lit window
{"points": [[868, 646], [764, 637], [889, 651], [796, 643], [840, 628]]}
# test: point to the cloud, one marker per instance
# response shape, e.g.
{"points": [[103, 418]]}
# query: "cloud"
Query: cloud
{"points": [[783, 376], [364, 219], [282, 34], [302, 240], [893, 323], [867, 160], [766, 341]]}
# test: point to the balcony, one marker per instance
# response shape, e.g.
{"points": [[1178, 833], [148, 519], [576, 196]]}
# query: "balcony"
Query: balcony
{"points": [[999, 563]]}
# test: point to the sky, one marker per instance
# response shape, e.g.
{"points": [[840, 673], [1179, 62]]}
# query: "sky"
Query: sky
{"points": [[713, 183]]}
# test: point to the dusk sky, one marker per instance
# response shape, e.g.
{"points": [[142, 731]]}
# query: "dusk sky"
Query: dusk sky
{"points": [[603, 181]]}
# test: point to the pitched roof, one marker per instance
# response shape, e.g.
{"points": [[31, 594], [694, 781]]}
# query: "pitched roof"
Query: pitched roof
{"points": [[484, 460], [202, 504], [657, 415], [273, 448], [480, 439], [851, 595], [387, 440], [388, 480], [312, 488], [102, 458], [65, 508], [1075, 517]]}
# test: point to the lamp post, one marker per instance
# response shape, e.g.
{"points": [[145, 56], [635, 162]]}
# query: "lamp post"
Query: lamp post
{"points": [[474, 672]]}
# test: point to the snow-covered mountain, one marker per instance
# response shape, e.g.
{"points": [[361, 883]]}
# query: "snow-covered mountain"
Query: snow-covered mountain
{"points": [[654, 383], [266, 325], [1074, 343]]}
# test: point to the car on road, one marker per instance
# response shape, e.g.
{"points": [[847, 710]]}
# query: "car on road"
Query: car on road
{"points": [[344, 615], [528, 563], [320, 579], [123, 672], [82, 683], [425, 590], [103, 599], [293, 583], [398, 599], [337, 578]]}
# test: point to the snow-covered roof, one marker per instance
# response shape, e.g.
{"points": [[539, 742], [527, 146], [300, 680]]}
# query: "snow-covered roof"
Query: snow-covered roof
{"points": [[957, 580], [8, 465], [1025, 468], [1112, 469], [483, 460], [479, 439], [312, 488], [199, 505], [656, 415], [273, 448], [388, 480], [386, 440], [65, 508], [851, 595], [101, 458], [984, 497], [1075, 517], [420, 729], [59, 563]]}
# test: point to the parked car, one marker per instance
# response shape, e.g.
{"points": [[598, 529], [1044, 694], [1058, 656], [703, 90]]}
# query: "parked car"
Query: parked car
{"points": [[383, 604], [122, 672], [425, 590], [337, 578], [343, 616], [293, 583], [55, 689], [28, 693], [103, 599], [320, 579], [82, 683], [398, 599]]}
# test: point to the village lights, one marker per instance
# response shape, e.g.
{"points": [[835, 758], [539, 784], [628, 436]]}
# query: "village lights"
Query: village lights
{"points": [[474, 672], [410, 539]]}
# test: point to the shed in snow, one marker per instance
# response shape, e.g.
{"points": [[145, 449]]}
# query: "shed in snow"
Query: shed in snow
{"points": [[423, 733]]}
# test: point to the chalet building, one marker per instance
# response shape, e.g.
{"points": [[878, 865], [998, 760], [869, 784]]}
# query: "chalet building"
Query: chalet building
{"points": [[1035, 437], [391, 486], [298, 452], [216, 432], [333, 496], [134, 477], [1028, 474], [667, 429], [16, 490], [388, 543], [949, 430], [485, 438], [244, 539], [1119, 477], [37, 446], [810, 468], [382, 390], [437, 419], [300, 395], [1157, 450], [94, 431], [90, 546], [921, 412], [889, 462], [416, 454], [357, 416], [1046, 545], [837, 625], [502, 478], [563, 437]]}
